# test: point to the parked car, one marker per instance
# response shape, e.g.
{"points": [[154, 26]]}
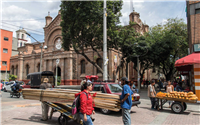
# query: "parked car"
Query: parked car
{"points": [[27, 85], [7, 87], [113, 88]]}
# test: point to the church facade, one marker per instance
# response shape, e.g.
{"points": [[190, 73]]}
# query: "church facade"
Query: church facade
{"points": [[72, 67]]}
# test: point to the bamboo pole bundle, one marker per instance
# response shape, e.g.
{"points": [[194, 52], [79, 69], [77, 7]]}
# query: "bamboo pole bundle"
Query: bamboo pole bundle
{"points": [[101, 100]]}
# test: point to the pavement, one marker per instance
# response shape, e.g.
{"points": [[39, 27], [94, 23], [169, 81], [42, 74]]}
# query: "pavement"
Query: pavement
{"points": [[18, 111]]}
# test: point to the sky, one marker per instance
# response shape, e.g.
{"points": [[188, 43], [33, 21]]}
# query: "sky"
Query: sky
{"points": [[30, 14]]}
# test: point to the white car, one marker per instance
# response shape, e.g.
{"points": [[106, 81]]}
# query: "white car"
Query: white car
{"points": [[7, 87]]}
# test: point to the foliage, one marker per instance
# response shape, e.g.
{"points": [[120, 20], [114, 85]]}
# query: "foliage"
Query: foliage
{"points": [[82, 25], [123, 39], [58, 80], [12, 77], [168, 43]]}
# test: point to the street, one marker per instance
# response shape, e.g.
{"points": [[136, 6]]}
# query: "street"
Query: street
{"points": [[18, 111]]}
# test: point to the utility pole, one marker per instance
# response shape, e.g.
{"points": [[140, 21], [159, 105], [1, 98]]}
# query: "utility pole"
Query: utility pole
{"points": [[41, 46], [138, 69], [41, 57], [105, 75]]}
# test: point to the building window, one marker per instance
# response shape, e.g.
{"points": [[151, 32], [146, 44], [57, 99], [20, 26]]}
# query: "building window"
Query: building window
{"points": [[82, 66], [197, 11], [27, 69], [22, 36], [38, 67], [5, 50], [21, 44], [4, 63], [16, 70], [6, 38], [99, 63]]}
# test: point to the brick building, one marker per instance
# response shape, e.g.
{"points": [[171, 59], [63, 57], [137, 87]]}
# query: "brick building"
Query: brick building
{"points": [[72, 67], [193, 23], [190, 65], [6, 51]]}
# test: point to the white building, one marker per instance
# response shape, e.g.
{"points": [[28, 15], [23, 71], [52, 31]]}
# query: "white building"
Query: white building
{"points": [[21, 36]]}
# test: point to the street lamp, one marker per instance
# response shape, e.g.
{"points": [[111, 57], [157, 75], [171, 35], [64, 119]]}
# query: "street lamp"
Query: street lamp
{"points": [[41, 46]]}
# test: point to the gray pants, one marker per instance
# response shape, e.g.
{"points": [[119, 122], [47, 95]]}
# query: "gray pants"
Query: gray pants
{"points": [[126, 116], [45, 110]]}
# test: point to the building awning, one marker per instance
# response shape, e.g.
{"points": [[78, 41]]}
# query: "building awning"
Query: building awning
{"points": [[185, 63]]}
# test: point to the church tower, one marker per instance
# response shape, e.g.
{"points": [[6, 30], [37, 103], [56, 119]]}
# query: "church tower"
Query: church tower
{"points": [[21, 37]]}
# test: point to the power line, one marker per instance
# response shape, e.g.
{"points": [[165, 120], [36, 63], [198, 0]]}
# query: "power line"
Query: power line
{"points": [[21, 20], [21, 26], [10, 27]]}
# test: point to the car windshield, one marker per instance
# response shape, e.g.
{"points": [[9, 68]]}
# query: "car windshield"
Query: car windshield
{"points": [[115, 88]]}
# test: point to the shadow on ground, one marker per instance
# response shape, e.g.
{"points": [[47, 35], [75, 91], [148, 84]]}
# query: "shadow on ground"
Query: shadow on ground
{"points": [[53, 121], [165, 110]]}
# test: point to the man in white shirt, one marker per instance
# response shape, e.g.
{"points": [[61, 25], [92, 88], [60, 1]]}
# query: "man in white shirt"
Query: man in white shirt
{"points": [[152, 94]]}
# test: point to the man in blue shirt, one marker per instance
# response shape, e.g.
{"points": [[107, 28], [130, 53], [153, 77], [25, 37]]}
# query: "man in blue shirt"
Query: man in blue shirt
{"points": [[126, 101]]}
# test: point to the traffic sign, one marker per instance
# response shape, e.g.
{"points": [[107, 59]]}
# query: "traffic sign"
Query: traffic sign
{"points": [[57, 61]]}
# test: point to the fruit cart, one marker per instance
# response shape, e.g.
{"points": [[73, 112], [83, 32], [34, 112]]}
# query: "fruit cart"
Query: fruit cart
{"points": [[178, 105], [179, 100]]}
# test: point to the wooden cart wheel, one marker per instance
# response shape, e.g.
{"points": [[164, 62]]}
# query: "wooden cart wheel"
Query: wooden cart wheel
{"points": [[185, 106], [62, 120], [177, 107], [105, 111]]}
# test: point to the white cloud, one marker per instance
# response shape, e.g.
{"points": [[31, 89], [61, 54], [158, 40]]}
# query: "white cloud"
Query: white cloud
{"points": [[151, 11], [164, 21], [28, 39]]}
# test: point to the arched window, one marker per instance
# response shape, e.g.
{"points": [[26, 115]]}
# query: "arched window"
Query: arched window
{"points": [[22, 36], [16, 70], [82, 66], [27, 69], [38, 66], [99, 63], [12, 70]]}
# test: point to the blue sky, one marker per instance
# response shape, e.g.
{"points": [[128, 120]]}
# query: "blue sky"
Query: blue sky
{"points": [[30, 14]]}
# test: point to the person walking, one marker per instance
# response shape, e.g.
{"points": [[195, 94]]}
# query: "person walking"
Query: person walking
{"points": [[169, 88], [152, 94], [86, 103], [45, 107], [126, 101]]}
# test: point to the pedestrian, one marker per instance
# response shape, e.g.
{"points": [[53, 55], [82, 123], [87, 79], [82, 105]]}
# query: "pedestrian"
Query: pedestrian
{"points": [[169, 88], [152, 94], [126, 101], [45, 107], [86, 103]]}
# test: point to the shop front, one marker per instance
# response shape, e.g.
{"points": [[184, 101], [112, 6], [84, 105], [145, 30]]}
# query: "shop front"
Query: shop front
{"points": [[190, 66]]}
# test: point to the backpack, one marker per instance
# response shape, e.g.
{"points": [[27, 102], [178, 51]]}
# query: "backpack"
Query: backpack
{"points": [[76, 104]]}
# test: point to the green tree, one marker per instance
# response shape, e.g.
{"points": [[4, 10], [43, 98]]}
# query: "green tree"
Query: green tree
{"points": [[141, 49], [82, 26], [169, 43], [12, 77], [123, 39]]}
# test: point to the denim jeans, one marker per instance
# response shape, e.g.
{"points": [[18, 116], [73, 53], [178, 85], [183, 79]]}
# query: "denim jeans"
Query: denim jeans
{"points": [[89, 120], [153, 100], [126, 116]]}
